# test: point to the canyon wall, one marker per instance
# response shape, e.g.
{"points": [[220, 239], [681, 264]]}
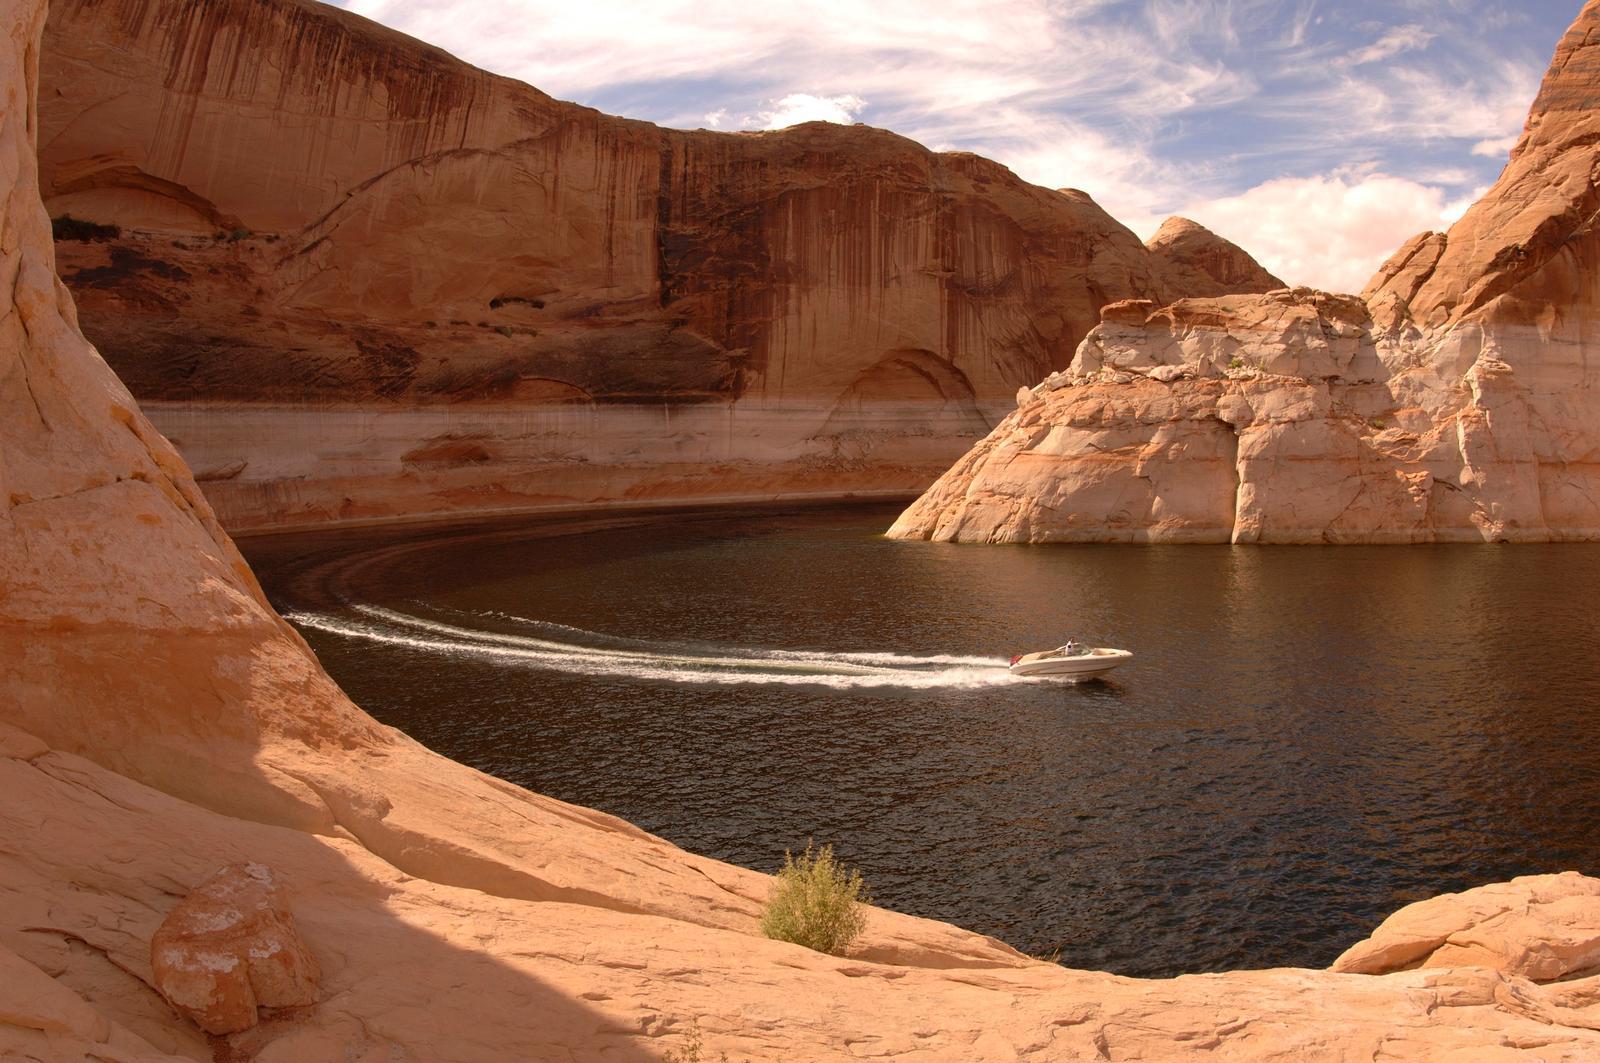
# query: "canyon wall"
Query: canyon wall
{"points": [[158, 721], [357, 279], [1457, 400]]}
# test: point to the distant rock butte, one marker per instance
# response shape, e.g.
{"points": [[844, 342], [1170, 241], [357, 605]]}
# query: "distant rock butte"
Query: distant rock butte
{"points": [[1457, 400], [362, 280], [1196, 249]]}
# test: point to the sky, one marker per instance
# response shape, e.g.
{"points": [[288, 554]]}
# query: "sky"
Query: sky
{"points": [[1317, 134]]}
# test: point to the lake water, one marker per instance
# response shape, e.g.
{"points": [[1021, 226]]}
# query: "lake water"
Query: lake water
{"points": [[1307, 738]]}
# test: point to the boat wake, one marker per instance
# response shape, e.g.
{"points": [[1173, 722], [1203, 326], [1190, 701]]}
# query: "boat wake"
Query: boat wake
{"points": [[556, 647]]}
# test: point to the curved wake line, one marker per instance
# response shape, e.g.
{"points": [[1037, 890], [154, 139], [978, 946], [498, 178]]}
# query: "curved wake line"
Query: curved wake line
{"points": [[728, 667], [708, 649]]}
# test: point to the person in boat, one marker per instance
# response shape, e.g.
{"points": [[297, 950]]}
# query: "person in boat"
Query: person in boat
{"points": [[1072, 648]]}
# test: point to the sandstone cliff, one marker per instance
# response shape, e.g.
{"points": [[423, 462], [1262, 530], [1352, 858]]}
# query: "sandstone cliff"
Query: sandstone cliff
{"points": [[1195, 248], [1456, 401], [158, 721], [360, 279]]}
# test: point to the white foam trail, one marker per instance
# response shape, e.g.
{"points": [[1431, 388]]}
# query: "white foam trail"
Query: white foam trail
{"points": [[794, 668], [523, 642], [889, 660]]}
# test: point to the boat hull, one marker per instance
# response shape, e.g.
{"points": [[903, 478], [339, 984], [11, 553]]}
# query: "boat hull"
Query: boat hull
{"points": [[1073, 668]]}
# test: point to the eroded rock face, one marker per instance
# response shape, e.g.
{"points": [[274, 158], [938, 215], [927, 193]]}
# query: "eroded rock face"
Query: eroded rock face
{"points": [[1540, 927], [230, 947], [1266, 418], [337, 233], [1457, 400], [1193, 247], [158, 719]]}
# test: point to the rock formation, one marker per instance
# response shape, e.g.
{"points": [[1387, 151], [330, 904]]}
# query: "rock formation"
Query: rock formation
{"points": [[1194, 248], [231, 947], [357, 279], [1269, 418], [1542, 927], [157, 720], [1456, 401]]}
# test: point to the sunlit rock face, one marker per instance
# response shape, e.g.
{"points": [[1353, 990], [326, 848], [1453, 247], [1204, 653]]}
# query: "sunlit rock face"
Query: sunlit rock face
{"points": [[1457, 400], [1192, 247], [360, 279], [157, 720]]}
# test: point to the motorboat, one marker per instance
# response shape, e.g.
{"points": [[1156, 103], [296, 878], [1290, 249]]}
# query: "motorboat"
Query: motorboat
{"points": [[1073, 661]]}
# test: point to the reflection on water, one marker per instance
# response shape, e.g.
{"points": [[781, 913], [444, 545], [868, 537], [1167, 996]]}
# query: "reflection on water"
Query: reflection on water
{"points": [[1307, 738]]}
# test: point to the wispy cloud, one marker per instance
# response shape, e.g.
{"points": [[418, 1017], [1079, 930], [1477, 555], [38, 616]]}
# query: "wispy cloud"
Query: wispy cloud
{"points": [[1149, 105], [1393, 42]]}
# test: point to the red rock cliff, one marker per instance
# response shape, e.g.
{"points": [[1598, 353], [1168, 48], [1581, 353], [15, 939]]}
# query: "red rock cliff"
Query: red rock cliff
{"points": [[157, 721], [1191, 246], [320, 212]]}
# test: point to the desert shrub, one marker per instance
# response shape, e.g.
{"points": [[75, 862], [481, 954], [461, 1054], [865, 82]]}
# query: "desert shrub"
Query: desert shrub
{"points": [[67, 227], [816, 902], [692, 1049], [1236, 363]]}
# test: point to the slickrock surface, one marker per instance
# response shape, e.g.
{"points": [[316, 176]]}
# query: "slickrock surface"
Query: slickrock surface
{"points": [[1459, 400], [230, 947], [158, 720], [361, 279], [1193, 247], [1542, 927]]}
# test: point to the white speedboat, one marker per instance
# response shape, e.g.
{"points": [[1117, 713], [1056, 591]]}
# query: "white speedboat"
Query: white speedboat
{"points": [[1072, 661]]}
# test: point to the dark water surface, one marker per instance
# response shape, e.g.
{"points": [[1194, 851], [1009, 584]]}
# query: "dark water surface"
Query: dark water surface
{"points": [[1307, 739]]}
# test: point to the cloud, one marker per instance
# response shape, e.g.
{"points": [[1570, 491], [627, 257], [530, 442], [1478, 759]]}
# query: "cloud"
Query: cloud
{"points": [[1496, 147], [1395, 41], [1330, 231], [800, 107], [1123, 175]]}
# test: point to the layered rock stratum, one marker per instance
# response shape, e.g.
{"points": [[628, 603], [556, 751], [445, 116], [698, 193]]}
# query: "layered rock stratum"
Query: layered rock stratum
{"points": [[158, 721], [357, 279], [1458, 399]]}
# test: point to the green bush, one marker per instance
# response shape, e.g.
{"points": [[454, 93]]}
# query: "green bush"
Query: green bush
{"points": [[67, 227], [693, 1046], [816, 902]]}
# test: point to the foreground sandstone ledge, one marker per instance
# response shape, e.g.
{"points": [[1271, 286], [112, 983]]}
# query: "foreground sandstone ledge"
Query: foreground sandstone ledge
{"points": [[1458, 400], [158, 720]]}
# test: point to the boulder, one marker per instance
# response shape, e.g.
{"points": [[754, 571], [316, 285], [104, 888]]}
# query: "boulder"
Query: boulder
{"points": [[230, 947]]}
